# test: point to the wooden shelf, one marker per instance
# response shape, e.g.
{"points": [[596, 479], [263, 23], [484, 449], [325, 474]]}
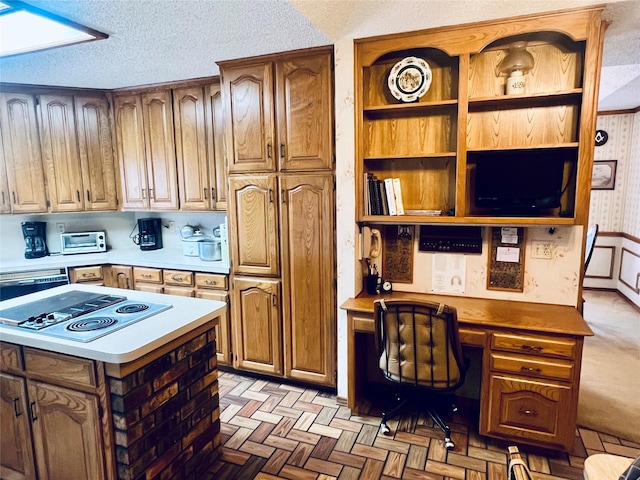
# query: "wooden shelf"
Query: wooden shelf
{"points": [[525, 147], [519, 101], [409, 157], [418, 108]]}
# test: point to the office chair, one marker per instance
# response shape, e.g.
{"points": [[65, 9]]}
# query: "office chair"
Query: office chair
{"points": [[592, 233], [418, 347]]}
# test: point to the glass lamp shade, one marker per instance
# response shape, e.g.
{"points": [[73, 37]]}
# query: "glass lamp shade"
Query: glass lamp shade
{"points": [[517, 59]]}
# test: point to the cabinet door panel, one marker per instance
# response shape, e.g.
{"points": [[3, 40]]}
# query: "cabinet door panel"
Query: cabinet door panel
{"points": [[191, 148], [160, 150], [120, 276], [60, 153], [223, 329], [253, 229], [16, 461], [216, 147], [5, 204], [256, 325], [307, 230], [95, 146], [249, 92], [534, 410], [130, 146], [22, 155], [66, 432], [304, 102]]}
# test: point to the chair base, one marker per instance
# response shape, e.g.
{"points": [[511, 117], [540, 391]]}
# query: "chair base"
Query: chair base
{"points": [[385, 430]]}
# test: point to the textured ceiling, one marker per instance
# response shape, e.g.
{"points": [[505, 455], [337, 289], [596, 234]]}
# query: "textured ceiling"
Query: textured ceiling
{"points": [[152, 41]]}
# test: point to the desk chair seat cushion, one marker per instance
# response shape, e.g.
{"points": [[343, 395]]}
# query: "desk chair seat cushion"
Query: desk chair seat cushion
{"points": [[429, 356]]}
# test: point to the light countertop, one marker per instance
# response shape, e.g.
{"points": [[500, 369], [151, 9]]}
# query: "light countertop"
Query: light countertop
{"points": [[162, 258], [128, 343]]}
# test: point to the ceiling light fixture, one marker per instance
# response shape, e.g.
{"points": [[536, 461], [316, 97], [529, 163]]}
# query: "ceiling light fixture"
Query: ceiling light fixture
{"points": [[24, 28]]}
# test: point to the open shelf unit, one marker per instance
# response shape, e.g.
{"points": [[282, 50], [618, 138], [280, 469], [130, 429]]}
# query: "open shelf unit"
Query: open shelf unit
{"points": [[430, 144]]}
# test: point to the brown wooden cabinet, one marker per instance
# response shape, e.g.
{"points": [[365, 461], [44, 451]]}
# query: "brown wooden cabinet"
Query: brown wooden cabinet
{"points": [[213, 286], [52, 412], [5, 203], [531, 383], [199, 147], [119, 276], [257, 325], [22, 155], [146, 150], [93, 275], [279, 140], [17, 460], [433, 143], [308, 289], [253, 225], [292, 122], [95, 146]]}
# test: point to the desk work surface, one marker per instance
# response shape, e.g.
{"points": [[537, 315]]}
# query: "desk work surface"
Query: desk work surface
{"points": [[540, 317]]}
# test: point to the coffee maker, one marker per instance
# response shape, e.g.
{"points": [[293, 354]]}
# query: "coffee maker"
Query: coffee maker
{"points": [[149, 233], [35, 237]]}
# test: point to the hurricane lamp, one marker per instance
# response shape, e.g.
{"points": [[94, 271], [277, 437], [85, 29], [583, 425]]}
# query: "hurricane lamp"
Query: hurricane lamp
{"points": [[515, 66]]}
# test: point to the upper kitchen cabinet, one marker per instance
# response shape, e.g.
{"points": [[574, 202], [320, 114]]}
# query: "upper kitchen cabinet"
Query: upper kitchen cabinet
{"points": [[146, 150], [95, 146], [474, 136], [5, 205], [284, 124], [202, 178], [21, 152], [214, 112], [77, 152]]}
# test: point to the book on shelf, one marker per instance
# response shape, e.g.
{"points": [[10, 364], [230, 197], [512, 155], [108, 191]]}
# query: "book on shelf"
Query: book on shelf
{"points": [[384, 206], [373, 204], [367, 198], [397, 193], [391, 198]]}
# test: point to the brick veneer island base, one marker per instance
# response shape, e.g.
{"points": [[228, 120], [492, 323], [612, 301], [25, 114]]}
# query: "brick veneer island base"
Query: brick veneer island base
{"points": [[165, 406]]}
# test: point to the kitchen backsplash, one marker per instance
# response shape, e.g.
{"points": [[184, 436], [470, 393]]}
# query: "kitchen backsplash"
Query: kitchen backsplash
{"points": [[118, 225]]}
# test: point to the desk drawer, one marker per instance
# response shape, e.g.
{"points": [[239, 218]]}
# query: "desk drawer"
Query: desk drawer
{"points": [[532, 367], [534, 344], [472, 337]]}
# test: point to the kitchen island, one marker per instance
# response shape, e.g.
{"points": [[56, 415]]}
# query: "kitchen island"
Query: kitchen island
{"points": [[139, 402]]}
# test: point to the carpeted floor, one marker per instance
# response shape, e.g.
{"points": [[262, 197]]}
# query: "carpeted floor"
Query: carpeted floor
{"points": [[610, 379]]}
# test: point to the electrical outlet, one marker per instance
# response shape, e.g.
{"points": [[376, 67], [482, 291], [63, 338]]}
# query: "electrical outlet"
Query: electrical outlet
{"points": [[172, 226], [60, 227], [542, 249]]}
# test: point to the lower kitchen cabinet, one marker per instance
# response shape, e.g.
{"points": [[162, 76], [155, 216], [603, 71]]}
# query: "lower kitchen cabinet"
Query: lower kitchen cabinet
{"points": [[16, 458], [212, 286], [119, 276], [51, 417], [256, 325], [72, 420]]}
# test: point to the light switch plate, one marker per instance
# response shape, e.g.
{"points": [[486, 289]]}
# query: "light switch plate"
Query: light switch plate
{"points": [[542, 249]]}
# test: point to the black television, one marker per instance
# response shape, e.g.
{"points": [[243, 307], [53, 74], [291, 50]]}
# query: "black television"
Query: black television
{"points": [[523, 182]]}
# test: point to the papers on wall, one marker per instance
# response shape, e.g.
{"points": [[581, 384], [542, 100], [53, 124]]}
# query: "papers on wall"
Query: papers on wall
{"points": [[508, 254], [509, 235], [448, 273]]}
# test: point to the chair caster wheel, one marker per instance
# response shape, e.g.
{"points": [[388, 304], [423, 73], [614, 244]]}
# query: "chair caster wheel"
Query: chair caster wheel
{"points": [[454, 408], [448, 444], [384, 429]]}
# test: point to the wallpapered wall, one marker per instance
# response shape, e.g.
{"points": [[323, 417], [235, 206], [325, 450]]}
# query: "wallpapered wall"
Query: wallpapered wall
{"points": [[616, 260], [619, 210]]}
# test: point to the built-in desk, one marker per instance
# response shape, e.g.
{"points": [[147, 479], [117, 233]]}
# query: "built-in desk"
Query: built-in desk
{"points": [[530, 364]]}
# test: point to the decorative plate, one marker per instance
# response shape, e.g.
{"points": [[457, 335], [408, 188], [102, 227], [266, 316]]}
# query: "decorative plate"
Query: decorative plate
{"points": [[410, 79]]}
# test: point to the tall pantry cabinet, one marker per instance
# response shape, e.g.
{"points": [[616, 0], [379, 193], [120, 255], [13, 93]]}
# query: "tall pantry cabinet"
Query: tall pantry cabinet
{"points": [[278, 113]]}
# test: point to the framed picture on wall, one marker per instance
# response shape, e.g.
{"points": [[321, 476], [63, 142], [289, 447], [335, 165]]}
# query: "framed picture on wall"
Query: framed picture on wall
{"points": [[604, 175]]}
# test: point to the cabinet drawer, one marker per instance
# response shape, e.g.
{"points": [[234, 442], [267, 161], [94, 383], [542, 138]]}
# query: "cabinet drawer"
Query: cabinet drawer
{"points": [[182, 291], [49, 365], [472, 337], [85, 274], [10, 358], [147, 287], [532, 366], [539, 345], [538, 411], [147, 275], [211, 280], [178, 277]]}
